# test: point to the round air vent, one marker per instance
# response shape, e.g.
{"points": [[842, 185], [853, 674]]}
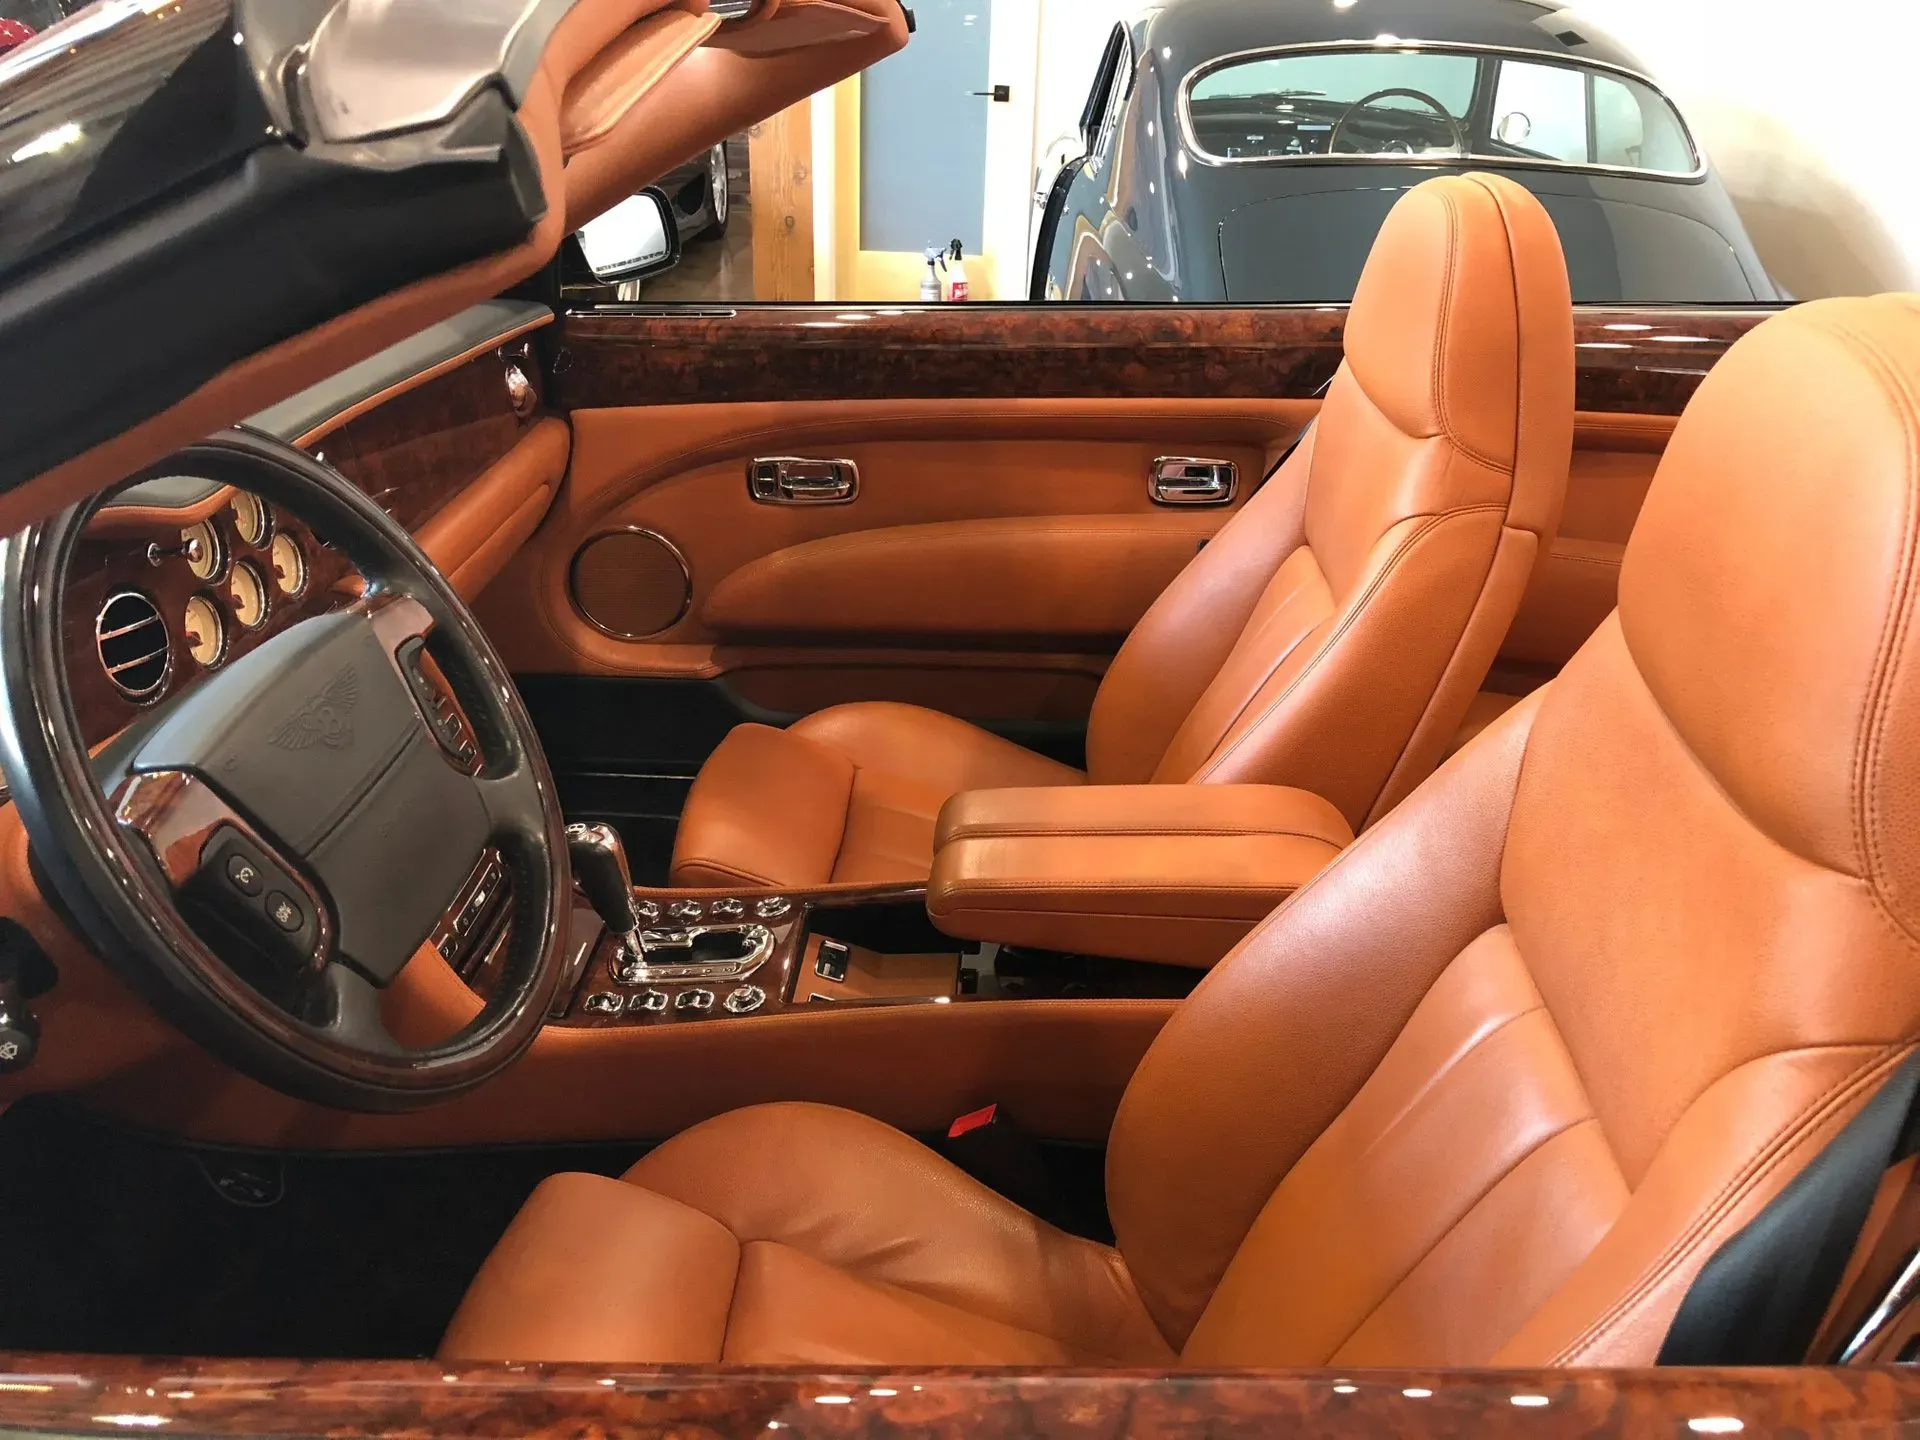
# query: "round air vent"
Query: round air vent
{"points": [[134, 644], [631, 583]]}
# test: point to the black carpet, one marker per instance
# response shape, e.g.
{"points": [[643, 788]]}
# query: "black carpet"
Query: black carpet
{"points": [[117, 1243]]}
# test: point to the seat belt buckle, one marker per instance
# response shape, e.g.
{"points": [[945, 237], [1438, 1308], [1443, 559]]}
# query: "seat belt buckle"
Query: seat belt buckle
{"points": [[1003, 1156]]}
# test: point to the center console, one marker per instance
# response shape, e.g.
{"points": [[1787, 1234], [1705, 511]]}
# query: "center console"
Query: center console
{"points": [[699, 958]]}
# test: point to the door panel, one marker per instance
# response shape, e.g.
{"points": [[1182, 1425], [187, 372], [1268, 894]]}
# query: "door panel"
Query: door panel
{"points": [[1063, 483], [1002, 540]]}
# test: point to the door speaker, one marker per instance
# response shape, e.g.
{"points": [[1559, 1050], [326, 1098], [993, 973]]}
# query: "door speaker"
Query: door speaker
{"points": [[631, 583]]}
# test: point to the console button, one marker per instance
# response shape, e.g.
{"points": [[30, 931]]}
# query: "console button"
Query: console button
{"points": [[774, 907], [285, 912], [603, 1002], [650, 1002], [698, 1001], [245, 875], [745, 1000], [685, 910], [831, 962], [647, 911], [727, 909]]}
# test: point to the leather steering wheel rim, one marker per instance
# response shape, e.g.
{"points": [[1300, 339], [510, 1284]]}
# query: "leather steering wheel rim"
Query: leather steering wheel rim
{"points": [[126, 901], [1406, 92]]}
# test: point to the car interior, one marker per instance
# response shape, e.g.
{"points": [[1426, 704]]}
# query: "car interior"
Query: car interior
{"points": [[1184, 839]]}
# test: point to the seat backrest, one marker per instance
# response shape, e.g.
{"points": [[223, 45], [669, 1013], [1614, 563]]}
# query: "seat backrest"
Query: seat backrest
{"points": [[1495, 1086], [1335, 631]]}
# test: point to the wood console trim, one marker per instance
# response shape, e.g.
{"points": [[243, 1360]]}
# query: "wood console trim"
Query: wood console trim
{"points": [[1632, 360], [103, 1395]]}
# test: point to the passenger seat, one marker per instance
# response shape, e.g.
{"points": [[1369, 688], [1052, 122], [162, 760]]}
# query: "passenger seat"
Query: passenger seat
{"points": [[1331, 637]]}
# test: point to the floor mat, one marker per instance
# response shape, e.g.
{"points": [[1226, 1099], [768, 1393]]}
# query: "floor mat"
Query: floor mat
{"points": [[119, 1243]]}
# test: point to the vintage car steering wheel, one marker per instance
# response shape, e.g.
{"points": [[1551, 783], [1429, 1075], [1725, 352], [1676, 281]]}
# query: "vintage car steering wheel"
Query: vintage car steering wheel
{"points": [[262, 854], [1459, 135]]}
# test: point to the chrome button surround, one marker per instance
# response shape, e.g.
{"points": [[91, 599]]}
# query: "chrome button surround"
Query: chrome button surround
{"points": [[774, 907], [745, 1000], [698, 1001], [603, 1002]]}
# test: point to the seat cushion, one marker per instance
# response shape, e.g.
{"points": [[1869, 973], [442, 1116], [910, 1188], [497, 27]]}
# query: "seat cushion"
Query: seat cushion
{"points": [[797, 1234], [847, 795]]}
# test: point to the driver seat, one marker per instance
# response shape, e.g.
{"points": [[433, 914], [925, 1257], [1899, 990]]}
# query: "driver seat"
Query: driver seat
{"points": [[1491, 1089]]}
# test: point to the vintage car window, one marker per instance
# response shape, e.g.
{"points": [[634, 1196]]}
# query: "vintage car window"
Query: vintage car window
{"points": [[1580, 117], [1399, 102], [1372, 103]]}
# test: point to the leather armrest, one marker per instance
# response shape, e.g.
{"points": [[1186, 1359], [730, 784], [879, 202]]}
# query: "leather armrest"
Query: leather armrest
{"points": [[1173, 873]]}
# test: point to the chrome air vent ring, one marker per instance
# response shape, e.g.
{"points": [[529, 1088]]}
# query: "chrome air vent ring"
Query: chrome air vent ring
{"points": [[134, 644]]}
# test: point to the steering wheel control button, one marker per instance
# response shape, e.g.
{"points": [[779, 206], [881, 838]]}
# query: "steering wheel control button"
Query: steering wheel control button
{"points": [[831, 962], [603, 1002], [727, 909], [449, 726], [697, 1002], [245, 875], [685, 910], [745, 1000], [774, 907], [648, 1002], [285, 912]]}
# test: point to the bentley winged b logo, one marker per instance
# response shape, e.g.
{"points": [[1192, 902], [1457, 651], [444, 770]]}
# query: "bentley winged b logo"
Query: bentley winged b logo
{"points": [[325, 719]]}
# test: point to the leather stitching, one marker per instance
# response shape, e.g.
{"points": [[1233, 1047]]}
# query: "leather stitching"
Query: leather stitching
{"points": [[1347, 620], [1768, 1158], [1864, 800]]}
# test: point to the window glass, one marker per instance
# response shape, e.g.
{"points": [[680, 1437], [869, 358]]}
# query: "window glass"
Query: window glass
{"points": [[1541, 110], [1371, 102], [1635, 128]]}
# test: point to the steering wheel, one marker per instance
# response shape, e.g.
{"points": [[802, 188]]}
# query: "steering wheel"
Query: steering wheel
{"points": [[262, 854], [1366, 101]]}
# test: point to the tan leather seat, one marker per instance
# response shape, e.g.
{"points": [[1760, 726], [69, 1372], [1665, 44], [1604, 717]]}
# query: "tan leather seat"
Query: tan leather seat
{"points": [[1331, 636], [1492, 1088]]}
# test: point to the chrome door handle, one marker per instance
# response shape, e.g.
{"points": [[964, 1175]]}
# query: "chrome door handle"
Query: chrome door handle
{"points": [[1182, 480], [792, 480]]}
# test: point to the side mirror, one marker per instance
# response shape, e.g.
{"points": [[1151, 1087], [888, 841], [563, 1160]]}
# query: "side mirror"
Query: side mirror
{"points": [[636, 238]]}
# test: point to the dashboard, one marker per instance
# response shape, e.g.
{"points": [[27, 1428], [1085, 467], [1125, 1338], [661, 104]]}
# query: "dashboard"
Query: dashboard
{"points": [[178, 578]]}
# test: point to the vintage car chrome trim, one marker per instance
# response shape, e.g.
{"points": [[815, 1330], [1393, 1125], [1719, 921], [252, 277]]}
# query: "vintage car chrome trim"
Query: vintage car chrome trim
{"points": [[1184, 110], [379, 67]]}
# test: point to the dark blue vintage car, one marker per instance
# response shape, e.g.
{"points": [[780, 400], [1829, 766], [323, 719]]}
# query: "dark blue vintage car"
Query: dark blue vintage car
{"points": [[1249, 153]]}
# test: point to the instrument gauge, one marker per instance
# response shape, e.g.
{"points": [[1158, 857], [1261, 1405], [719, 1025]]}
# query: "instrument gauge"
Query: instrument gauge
{"points": [[251, 518], [206, 632], [201, 546], [249, 594], [289, 564]]}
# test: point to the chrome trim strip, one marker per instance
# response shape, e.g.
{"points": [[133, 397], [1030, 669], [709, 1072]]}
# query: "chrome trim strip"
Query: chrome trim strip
{"points": [[1184, 109]]}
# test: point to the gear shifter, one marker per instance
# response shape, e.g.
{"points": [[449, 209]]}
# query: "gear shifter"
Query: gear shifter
{"points": [[600, 866]]}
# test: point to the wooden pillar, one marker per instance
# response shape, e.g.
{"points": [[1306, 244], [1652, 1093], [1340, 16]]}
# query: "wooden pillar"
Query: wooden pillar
{"points": [[780, 159]]}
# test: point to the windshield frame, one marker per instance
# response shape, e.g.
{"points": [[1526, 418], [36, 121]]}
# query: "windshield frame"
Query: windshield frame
{"points": [[1190, 141]]}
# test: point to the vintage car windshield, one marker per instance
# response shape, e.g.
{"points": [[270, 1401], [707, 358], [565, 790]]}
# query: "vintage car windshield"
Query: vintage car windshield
{"points": [[1431, 103]]}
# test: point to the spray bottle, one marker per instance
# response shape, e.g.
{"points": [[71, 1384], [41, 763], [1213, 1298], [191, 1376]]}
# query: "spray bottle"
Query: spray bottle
{"points": [[957, 287], [930, 282]]}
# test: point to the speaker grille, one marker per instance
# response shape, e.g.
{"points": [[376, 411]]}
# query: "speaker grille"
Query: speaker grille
{"points": [[631, 583]]}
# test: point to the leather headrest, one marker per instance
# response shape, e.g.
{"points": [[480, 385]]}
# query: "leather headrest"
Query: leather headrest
{"points": [[1465, 288], [1768, 592]]}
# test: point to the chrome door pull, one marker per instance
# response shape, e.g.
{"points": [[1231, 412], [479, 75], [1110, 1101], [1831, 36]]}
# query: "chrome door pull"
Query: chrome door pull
{"points": [[791, 480], [1182, 480]]}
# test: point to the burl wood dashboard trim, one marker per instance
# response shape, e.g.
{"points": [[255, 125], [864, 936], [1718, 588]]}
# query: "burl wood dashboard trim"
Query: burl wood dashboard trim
{"points": [[103, 1395], [1632, 360]]}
